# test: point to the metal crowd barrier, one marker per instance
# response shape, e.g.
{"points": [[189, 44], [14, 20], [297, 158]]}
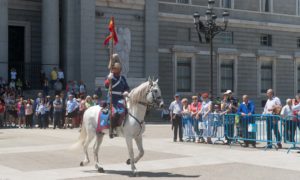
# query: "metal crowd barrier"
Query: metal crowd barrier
{"points": [[257, 128], [253, 129], [291, 131], [211, 126]]}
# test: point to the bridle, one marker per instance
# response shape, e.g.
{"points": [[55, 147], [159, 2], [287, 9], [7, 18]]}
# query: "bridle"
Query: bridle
{"points": [[155, 100], [148, 105]]}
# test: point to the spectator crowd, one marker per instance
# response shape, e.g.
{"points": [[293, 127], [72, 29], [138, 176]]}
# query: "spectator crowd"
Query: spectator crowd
{"points": [[60, 104], [198, 121]]}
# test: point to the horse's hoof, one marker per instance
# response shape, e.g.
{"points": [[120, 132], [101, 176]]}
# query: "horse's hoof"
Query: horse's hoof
{"points": [[135, 173], [100, 170], [128, 162], [81, 163]]}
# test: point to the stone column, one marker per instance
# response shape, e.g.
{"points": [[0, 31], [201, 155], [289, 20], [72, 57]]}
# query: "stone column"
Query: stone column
{"points": [[50, 35], [87, 43], [151, 39], [70, 49], [4, 39]]}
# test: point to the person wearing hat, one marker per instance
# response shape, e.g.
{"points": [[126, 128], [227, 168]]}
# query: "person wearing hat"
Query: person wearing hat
{"points": [[229, 105], [120, 90], [175, 117]]}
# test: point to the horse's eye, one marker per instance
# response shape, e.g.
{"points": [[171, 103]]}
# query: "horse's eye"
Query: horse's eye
{"points": [[155, 90]]}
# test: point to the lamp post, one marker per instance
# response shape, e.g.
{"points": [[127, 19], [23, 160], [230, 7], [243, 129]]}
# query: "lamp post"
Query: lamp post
{"points": [[210, 29]]}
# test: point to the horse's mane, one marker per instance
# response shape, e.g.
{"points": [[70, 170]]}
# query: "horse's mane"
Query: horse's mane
{"points": [[138, 93]]}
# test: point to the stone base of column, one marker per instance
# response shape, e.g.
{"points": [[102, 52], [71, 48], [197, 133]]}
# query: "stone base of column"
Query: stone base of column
{"points": [[4, 70]]}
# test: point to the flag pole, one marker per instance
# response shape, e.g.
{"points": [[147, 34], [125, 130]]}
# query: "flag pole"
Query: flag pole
{"points": [[110, 81]]}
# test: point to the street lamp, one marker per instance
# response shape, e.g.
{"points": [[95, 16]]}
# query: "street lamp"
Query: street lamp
{"points": [[210, 29]]}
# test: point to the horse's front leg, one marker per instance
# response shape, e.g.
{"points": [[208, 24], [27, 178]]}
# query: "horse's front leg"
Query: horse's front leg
{"points": [[131, 155], [99, 139], [139, 143]]}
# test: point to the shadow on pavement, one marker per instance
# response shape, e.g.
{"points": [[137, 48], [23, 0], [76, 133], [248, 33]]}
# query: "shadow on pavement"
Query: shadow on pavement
{"points": [[150, 174], [145, 174]]}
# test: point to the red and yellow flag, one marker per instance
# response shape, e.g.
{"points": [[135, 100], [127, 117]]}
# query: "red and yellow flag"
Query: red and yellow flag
{"points": [[113, 34]]}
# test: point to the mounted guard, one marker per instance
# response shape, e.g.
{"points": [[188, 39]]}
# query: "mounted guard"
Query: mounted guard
{"points": [[118, 90]]}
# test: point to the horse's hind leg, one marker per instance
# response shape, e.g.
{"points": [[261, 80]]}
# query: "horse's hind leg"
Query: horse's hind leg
{"points": [[86, 160], [99, 139], [131, 155]]}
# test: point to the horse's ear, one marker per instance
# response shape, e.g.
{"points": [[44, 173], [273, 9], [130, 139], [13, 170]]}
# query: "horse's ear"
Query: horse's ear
{"points": [[150, 81], [156, 81]]}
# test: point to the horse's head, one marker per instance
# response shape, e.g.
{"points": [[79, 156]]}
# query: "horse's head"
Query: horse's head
{"points": [[154, 94]]}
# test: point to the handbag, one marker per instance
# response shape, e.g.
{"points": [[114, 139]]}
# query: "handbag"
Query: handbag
{"points": [[277, 110], [236, 119], [252, 127], [201, 125]]}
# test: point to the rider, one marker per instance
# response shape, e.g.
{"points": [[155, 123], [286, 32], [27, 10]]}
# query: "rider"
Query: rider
{"points": [[120, 89]]}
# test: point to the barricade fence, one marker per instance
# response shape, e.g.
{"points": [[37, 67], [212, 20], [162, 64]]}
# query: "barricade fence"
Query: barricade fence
{"points": [[248, 129], [291, 131], [201, 128]]}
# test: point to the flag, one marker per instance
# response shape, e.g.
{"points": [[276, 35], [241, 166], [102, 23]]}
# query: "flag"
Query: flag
{"points": [[113, 34]]}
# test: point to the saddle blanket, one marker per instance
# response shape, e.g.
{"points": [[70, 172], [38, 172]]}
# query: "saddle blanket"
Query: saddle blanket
{"points": [[104, 119]]}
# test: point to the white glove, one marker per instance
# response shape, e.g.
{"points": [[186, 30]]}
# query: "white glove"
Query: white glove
{"points": [[125, 94], [110, 76]]}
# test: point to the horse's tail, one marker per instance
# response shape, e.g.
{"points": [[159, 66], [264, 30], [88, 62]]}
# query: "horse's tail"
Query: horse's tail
{"points": [[81, 138]]}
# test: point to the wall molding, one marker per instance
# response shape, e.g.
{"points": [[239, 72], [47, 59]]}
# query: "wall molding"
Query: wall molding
{"points": [[126, 4], [232, 9], [25, 5], [170, 17]]}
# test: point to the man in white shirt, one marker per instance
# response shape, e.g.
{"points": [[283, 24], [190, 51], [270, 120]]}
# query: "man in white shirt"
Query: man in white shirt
{"points": [[175, 116], [273, 103]]}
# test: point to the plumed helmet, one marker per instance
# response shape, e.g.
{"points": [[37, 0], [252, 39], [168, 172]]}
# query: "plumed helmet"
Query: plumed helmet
{"points": [[117, 66], [115, 59]]}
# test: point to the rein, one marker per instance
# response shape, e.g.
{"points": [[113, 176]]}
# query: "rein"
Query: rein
{"points": [[135, 118], [139, 122]]}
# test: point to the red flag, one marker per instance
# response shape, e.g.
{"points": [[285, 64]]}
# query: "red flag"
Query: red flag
{"points": [[113, 33]]}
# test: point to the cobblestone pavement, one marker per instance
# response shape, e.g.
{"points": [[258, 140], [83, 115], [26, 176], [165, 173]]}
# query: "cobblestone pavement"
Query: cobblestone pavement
{"points": [[44, 154]]}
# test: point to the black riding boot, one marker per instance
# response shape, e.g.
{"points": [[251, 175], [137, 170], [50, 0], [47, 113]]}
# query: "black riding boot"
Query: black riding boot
{"points": [[114, 124]]}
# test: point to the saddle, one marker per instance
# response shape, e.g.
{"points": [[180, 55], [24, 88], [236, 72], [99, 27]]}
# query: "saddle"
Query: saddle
{"points": [[104, 121]]}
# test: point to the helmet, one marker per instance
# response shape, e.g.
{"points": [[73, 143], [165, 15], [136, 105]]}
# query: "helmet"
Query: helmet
{"points": [[117, 66]]}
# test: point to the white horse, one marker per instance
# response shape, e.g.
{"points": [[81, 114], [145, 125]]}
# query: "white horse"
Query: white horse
{"points": [[148, 93]]}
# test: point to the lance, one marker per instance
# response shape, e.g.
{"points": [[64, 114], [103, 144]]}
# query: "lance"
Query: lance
{"points": [[113, 40]]}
